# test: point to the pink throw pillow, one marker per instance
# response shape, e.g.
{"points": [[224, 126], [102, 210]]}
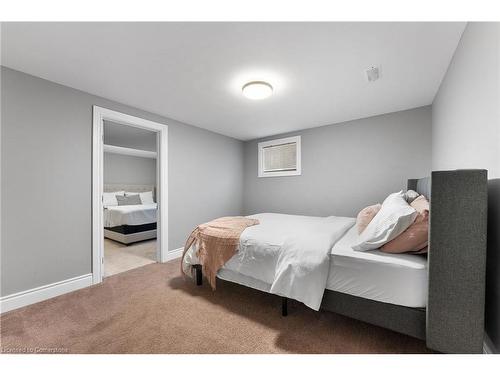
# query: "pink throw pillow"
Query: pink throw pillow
{"points": [[416, 237], [366, 215]]}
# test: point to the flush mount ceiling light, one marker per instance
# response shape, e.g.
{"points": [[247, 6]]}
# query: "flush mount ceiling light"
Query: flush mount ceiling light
{"points": [[257, 90]]}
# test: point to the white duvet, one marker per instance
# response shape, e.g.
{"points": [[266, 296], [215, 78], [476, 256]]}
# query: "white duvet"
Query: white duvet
{"points": [[290, 253], [136, 214]]}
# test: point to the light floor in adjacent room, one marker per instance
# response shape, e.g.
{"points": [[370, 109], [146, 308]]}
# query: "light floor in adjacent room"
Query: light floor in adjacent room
{"points": [[120, 258]]}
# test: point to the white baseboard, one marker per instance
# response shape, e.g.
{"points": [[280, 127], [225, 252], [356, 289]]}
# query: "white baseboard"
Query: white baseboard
{"points": [[41, 293], [173, 254], [488, 347]]}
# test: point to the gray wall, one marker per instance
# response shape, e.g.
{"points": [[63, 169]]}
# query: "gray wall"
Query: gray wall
{"points": [[125, 169], [46, 179], [466, 134], [466, 110], [345, 166]]}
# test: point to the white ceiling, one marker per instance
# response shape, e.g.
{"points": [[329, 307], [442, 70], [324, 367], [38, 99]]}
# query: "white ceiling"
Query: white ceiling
{"points": [[193, 72]]}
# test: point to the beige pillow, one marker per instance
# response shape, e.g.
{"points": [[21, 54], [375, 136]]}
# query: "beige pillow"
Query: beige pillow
{"points": [[420, 204], [366, 215], [413, 239]]}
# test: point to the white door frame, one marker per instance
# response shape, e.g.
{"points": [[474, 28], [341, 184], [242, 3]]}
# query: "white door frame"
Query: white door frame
{"points": [[100, 115]]}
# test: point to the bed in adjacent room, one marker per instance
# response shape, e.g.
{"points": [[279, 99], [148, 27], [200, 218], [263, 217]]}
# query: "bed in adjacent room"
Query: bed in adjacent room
{"points": [[130, 213]]}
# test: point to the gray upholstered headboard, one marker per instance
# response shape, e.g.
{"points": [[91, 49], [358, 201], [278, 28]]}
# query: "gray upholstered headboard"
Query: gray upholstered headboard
{"points": [[457, 258], [421, 186]]}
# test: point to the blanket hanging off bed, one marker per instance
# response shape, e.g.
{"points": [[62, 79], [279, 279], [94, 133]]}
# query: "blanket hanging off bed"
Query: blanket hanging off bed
{"points": [[217, 242]]}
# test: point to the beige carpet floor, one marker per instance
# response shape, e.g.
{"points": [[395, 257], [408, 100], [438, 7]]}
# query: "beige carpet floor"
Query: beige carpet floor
{"points": [[120, 258], [153, 309]]}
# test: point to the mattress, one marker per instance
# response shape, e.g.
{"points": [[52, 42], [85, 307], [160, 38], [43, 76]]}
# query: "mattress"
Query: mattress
{"points": [[137, 214], [291, 253], [399, 279]]}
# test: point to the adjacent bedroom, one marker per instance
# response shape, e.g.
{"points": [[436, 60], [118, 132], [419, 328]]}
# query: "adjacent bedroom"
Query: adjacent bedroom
{"points": [[129, 206]]}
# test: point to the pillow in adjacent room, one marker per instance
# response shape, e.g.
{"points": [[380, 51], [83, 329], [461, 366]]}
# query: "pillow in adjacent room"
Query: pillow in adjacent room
{"points": [[146, 197], [411, 195], [109, 199], [128, 200], [366, 215], [395, 216]]}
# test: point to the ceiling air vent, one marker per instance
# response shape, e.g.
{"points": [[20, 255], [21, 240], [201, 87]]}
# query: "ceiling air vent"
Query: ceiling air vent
{"points": [[372, 74]]}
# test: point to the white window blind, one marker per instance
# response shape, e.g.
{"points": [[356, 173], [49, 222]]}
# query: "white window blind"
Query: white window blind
{"points": [[279, 157]]}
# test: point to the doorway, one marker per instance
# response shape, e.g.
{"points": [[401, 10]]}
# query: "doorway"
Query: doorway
{"points": [[129, 193]]}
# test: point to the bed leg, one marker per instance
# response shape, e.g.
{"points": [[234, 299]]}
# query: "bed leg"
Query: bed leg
{"points": [[198, 276], [284, 306]]}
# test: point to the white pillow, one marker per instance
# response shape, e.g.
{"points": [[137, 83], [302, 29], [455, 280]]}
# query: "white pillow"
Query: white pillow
{"points": [[395, 216], [146, 196], [109, 199]]}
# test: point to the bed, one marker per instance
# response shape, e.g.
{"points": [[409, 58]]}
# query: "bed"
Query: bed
{"points": [[438, 298], [131, 223]]}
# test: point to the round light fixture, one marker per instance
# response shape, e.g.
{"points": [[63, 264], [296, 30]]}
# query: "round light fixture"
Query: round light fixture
{"points": [[257, 90]]}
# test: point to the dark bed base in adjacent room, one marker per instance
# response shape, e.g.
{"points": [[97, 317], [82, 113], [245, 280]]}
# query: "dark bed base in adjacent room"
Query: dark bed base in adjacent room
{"points": [[129, 229], [128, 234]]}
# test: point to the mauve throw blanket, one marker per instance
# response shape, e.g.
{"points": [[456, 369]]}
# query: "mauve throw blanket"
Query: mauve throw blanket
{"points": [[217, 242]]}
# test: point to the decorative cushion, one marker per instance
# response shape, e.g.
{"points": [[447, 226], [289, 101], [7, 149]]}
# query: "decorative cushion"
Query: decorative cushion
{"points": [[128, 200], [109, 199], [414, 239], [394, 217], [366, 215]]}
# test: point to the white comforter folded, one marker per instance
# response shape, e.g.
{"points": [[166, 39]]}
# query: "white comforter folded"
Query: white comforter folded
{"points": [[136, 214], [290, 253]]}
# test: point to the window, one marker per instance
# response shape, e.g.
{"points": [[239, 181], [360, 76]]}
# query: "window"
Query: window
{"points": [[279, 157]]}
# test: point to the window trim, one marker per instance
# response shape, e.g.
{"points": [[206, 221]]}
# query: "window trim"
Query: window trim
{"points": [[277, 142]]}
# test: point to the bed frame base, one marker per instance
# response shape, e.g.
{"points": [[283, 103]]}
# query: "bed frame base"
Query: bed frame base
{"points": [[197, 274], [406, 320], [284, 306], [198, 280]]}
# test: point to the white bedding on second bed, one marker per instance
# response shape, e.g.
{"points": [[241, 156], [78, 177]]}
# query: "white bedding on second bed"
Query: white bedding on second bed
{"points": [[136, 214]]}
